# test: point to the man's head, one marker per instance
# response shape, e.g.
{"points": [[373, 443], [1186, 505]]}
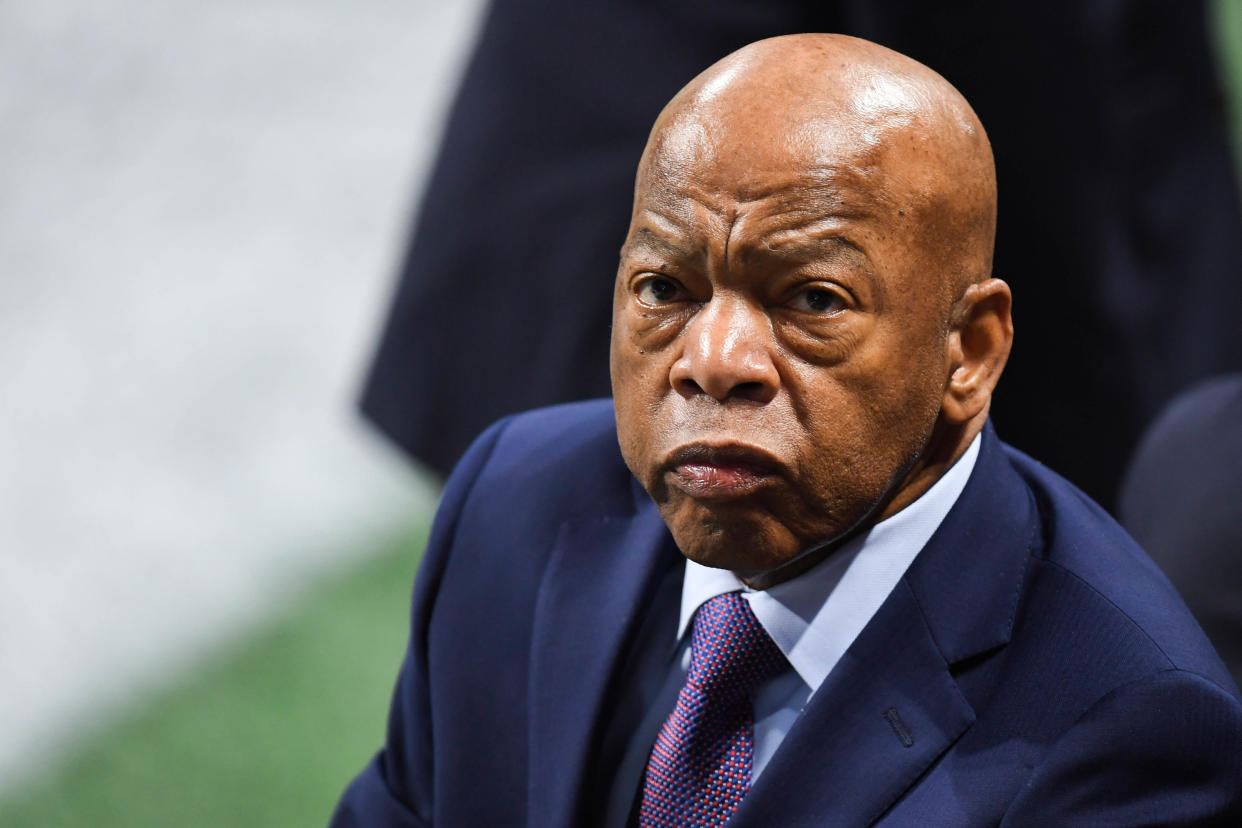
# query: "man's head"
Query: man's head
{"points": [[805, 331]]}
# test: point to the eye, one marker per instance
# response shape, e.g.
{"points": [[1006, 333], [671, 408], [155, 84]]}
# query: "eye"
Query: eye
{"points": [[817, 300], [659, 290]]}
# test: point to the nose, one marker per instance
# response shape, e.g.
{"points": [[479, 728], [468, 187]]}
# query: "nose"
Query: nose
{"points": [[728, 353]]}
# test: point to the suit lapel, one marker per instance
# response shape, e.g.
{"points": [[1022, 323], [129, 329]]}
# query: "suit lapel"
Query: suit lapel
{"points": [[590, 602], [883, 715], [891, 706]]}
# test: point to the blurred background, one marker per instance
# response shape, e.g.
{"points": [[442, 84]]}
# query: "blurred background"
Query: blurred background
{"points": [[205, 556]]}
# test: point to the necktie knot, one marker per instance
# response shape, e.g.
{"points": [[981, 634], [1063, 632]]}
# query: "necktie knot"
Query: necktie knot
{"points": [[730, 653]]}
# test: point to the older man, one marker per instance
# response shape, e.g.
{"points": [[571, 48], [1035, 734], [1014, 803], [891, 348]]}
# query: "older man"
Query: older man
{"points": [[879, 613]]}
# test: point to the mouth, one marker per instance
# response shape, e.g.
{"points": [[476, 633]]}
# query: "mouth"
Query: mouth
{"points": [[727, 472]]}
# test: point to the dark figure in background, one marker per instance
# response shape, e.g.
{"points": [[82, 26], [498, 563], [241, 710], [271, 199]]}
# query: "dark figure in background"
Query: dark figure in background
{"points": [[1118, 213], [1182, 500]]}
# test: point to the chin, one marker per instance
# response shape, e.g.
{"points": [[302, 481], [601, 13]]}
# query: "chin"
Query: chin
{"points": [[741, 546]]}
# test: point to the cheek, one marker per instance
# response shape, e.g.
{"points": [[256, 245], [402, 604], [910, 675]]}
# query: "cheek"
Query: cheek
{"points": [[642, 349], [639, 377], [865, 416], [901, 402], [626, 352], [639, 387], [901, 411]]}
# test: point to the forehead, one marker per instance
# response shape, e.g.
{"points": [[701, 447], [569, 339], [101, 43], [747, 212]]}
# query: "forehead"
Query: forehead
{"points": [[754, 153], [754, 150], [783, 217], [768, 114], [707, 182]]}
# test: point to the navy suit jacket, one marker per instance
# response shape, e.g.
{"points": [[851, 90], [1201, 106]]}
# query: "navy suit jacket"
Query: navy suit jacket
{"points": [[1042, 670]]}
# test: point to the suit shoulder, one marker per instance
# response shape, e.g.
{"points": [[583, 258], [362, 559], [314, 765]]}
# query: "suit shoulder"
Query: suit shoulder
{"points": [[570, 424], [558, 460], [1126, 759], [1107, 582]]}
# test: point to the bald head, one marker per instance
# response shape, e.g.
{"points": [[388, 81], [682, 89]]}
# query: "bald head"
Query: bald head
{"points": [[805, 331], [830, 107]]}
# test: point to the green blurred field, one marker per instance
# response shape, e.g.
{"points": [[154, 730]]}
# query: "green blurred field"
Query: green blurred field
{"points": [[267, 735], [1227, 21]]}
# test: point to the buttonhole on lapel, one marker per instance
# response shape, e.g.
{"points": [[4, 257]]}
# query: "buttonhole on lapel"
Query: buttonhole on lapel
{"points": [[899, 727]]}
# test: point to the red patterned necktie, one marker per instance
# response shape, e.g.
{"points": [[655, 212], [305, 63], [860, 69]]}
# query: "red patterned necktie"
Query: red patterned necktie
{"points": [[700, 767]]}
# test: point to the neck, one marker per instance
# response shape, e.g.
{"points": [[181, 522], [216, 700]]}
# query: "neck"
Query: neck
{"points": [[947, 443]]}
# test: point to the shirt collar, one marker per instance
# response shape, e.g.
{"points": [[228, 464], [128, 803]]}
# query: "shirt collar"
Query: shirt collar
{"points": [[815, 617]]}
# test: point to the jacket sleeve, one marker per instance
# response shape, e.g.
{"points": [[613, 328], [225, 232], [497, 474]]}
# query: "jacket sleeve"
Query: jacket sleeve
{"points": [[1165, 750], [395, 789]]}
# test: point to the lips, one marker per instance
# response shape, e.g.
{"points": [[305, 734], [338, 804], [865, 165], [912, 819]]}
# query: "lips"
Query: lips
{"points": [[728, 472]]}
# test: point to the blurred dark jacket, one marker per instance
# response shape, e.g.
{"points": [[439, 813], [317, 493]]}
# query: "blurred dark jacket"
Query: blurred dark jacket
{"points": [[1119, 221], [1182, 500]]}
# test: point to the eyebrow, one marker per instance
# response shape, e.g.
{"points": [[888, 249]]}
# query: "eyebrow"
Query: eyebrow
{"points": [[648, 239], [798, 243]]}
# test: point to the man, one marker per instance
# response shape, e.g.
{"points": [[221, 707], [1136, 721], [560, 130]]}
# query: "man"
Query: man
{"points": [[879, 613]]}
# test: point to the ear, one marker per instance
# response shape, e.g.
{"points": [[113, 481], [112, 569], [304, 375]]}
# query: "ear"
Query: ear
{"points": [[979, 343]]}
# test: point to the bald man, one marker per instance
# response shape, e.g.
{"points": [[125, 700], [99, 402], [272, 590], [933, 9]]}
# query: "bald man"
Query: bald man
{"points": [[789, 575]]}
